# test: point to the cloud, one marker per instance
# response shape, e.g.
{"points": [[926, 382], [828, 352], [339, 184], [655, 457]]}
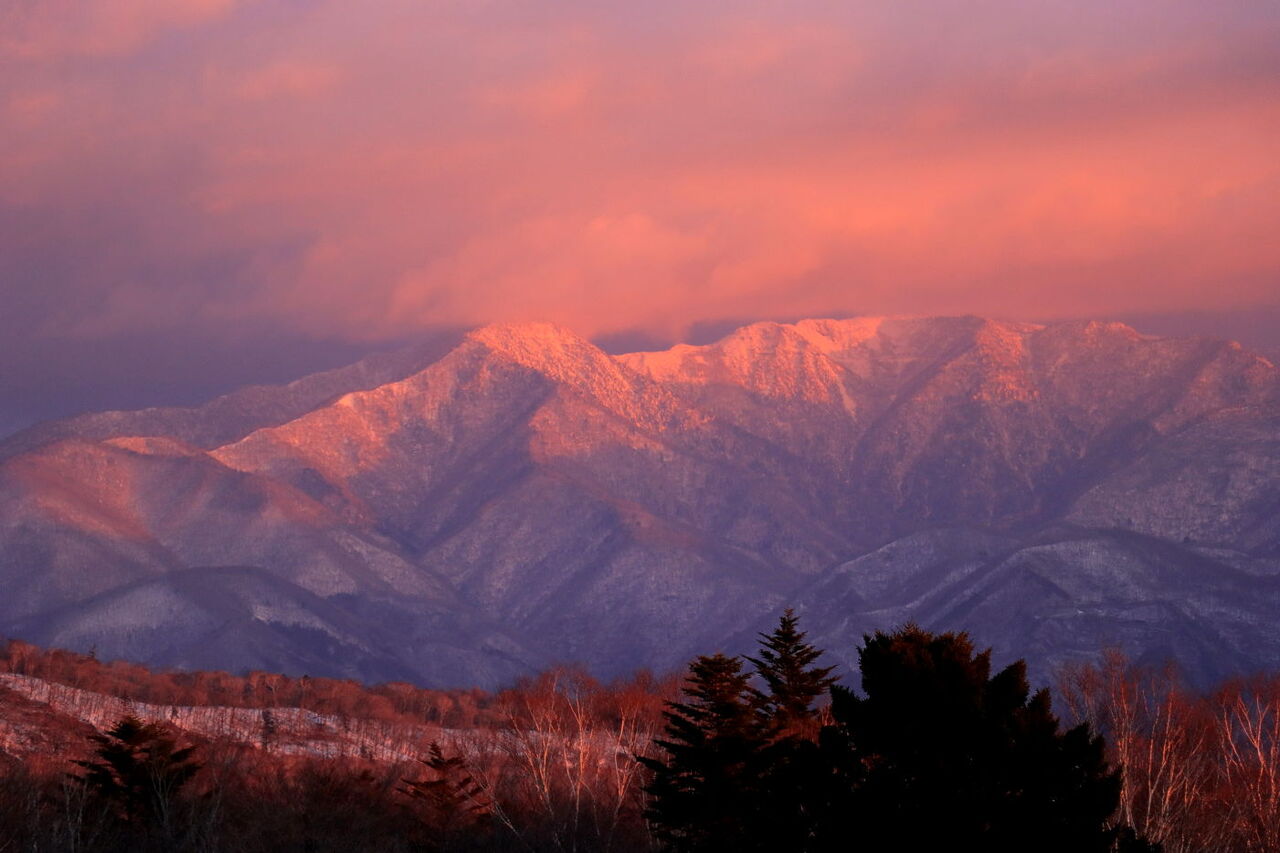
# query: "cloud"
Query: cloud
{"points": [[56, 29], [360, 171], [285, 79]]}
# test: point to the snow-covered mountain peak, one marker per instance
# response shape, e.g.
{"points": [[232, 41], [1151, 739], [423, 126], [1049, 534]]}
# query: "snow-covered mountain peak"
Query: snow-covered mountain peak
{"points": [[507, 493], [534, 344], [828, 360], [840, 335], [576, 365], [776, 360]]}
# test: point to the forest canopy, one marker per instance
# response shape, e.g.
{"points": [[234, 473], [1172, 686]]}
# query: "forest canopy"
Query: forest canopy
{"points": [[931, 749]]}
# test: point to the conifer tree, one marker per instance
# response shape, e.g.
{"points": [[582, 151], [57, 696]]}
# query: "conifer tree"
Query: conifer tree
{"points": [[741, 768], [702, 795], [956, 758], [452, 803], [139, 772], [794, 777], [939, 754], [793, 683]]}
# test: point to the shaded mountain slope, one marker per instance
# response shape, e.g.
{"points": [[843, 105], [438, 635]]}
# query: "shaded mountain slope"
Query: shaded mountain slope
{"points": [[525, 497], [235, 415], [1063, 594]]}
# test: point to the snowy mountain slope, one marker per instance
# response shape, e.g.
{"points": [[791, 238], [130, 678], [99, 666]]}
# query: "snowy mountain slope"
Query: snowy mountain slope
{"points": [[234, 415], [1060, 595], [526, 497]]}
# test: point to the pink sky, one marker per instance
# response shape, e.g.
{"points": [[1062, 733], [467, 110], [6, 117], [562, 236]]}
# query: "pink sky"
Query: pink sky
{"points": [[358, 171]]}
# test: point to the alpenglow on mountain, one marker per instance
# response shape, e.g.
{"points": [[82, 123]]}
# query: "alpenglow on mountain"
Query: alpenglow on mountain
{"points": [[463, 515]]}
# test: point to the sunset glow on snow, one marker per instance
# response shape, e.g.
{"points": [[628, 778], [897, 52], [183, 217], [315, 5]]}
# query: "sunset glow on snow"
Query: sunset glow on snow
{"points": [[359, 172]]}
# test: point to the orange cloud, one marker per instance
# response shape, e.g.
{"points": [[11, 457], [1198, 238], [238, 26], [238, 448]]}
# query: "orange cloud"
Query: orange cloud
{"points": [[364, 172], [287, 79], [30, 108], [52, 29]]}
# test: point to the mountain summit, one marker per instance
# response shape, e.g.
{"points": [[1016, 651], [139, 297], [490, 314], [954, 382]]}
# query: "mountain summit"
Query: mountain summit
{"points": [[461, 514]]}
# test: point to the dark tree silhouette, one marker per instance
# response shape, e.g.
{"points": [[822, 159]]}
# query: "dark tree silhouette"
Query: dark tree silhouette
{"points": [[701, 795], [139, 771], [938, 754], [953, 758], [793, 778], [793, 683], [742, 771], [452, 804]]}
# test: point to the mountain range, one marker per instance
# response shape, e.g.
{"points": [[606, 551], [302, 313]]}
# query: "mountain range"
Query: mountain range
{"points": [[467, 511]]}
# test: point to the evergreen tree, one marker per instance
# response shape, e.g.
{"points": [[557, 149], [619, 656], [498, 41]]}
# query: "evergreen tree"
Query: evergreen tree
{"points": [[454, 807], [703, 795], [742, 769], [955, 758], [794, 778], [793, 682], [939, 754], [139, 771]]}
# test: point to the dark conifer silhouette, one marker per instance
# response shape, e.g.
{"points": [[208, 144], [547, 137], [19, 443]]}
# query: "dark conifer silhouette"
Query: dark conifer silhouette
{"points": [[701, 795], [939, 754], [786, 665], [793, 778], [952, 757], [741, 768], [453, 806], [138, 772]]}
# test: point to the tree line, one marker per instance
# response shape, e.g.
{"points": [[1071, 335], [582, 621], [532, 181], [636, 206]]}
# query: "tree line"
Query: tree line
{"points": [[934, 750], [395, 701]]}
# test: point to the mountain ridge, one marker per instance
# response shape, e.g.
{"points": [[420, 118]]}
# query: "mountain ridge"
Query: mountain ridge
{"points": [[632, 510]]}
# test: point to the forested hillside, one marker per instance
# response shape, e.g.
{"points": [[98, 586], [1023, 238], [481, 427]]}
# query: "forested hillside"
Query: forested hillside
{"points": [[267, 762]]}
